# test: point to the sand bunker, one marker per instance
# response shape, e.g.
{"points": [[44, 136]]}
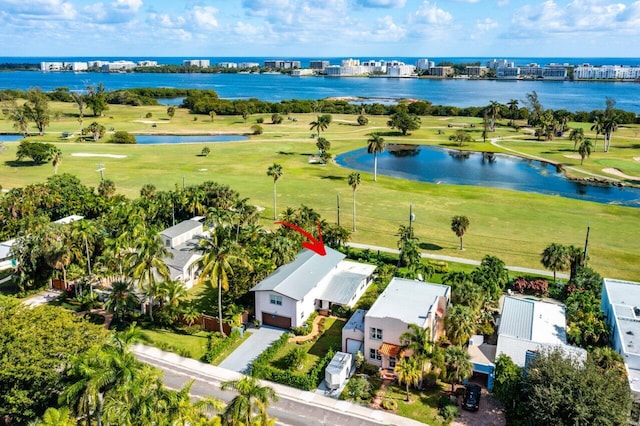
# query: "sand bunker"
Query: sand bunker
{"points": [[85, 154], [636, 158], [148, 122], [617, 172], [574, 156]]}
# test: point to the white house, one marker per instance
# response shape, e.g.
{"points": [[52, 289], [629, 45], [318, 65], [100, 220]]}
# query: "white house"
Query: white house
{"points": [[528, 326], [353, 333], [620, 305], [181, 240], [403, 302], [288, 296]]}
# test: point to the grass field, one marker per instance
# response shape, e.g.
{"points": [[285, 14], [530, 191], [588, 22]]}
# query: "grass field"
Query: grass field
{"points": [[514, 226]]}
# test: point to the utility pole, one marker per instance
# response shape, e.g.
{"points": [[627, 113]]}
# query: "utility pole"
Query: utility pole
{"points": [[338, 198]]}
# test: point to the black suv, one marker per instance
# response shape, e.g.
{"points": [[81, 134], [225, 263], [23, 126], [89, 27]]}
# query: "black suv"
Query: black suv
{"points": [[471, 399]]}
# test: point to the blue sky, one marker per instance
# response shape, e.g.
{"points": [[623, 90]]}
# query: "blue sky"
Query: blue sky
{"points": [[320, 28]]}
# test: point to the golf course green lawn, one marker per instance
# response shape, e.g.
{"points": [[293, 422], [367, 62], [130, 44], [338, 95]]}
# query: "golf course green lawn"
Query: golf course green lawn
{"points": [[514, 226]]}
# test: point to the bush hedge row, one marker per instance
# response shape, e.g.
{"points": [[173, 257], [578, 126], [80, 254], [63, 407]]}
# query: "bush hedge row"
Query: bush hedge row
{"points": [[216, 345]]}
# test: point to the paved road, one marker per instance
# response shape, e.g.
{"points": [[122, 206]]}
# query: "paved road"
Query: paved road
{"points": [[249, 350], [541, 272], [295, 407]]}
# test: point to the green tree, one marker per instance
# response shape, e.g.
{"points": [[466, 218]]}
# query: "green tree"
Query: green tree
{"points": [[513, 110], [354, 181], [584, 150], [96, 99], [323, 145], [257, 129], [376, 146], [32, 372], [409, 372], [320, 124], [507, 383], [459, 225], [56, 159], [217, 264], [205, 151], [609, 126], [122, 137], [460, 324], [458, 364], [147, 190], [598, 127], [555, 257], [121, 298], [39, 152], [404, 122], [577, 136], [57, 249], [80, 102], [562, 390], [96, 130], [37, 109], [57, 417], [276, 118], [460, 137], [362, 120], [20, 119], [418, 341], [275, 171], [493, 111], [251, 404], [106, 188], [171, 111]]}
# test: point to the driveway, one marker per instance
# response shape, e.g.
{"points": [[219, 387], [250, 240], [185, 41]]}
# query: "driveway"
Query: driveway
{"points": [[259, 340], [42, 298], [490, 413]]}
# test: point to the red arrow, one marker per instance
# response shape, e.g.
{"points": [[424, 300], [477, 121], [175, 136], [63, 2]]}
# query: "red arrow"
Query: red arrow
{"points": [[315, 245]]}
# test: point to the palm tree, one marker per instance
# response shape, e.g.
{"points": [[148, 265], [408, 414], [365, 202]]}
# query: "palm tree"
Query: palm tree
{"points": [[409, 372], [275, 171], [174, 293], [323, 145], [250, 405], [598, 127], [459, 225], [376, 145], [121, 298], [179, 410], [609, 126], [418, 341], [513, 108], [460, 324], [147, 264], [215, 266], [493, 110], [584, 150], [57, 249], [577, 136], [458, 365], [78, 98], [320, 124], [354, 181], [56, 417], [555, 257], [56, 159], [82, 395]]}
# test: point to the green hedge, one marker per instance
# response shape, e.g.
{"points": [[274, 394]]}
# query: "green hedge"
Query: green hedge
{"points": [[261, 369], [216, 345], [306, 328]]}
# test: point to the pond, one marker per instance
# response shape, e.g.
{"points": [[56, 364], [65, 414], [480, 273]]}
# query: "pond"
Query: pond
{"points": [[10, 138], [169, 139], [170, 101], [449, 166]]}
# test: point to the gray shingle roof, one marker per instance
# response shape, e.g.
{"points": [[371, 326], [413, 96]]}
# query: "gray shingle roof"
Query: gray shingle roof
{"points": [[297, 278], [181, 228], [182, 255]]}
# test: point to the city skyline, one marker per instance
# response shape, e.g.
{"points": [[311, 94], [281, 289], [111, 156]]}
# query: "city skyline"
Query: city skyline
{"points": [[332, 28]]}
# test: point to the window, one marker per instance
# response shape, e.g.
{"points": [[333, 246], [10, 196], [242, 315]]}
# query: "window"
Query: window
{"points": [[375, 333], [374, 354], [392, 362], [275, 300], [301, 314]]}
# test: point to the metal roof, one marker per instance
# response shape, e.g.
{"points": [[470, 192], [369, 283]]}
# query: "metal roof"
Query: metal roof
{"points": [[296, 279], [343, 282], [356, 322], [180, 228], [517, 318], [408, 300], [533, 320]]}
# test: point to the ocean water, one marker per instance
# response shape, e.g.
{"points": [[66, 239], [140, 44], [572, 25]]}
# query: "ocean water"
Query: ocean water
{"points": [[573, 96]]}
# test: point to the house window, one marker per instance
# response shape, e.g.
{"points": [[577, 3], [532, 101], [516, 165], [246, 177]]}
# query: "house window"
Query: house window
{"points": [[275, 300], [374, 354], [301, 314], [375, 333], [392, 362]]}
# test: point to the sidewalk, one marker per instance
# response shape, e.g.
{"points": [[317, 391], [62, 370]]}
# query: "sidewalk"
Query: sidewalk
{"points": [[453, 259], [218, 374]]}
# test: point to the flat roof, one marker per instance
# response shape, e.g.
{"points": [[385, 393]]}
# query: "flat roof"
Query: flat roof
{"points": [[343, 281], [407, 300], [180, 228], [537, 321], [297, 278], [356, 322], [624, 298], [182, 255]]}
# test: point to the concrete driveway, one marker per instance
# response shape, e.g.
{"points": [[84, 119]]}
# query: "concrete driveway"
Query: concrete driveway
{"points": [[260, 339], [42, 298]]}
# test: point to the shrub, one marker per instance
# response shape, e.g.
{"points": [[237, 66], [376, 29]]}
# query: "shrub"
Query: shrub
{"points": [[260, 120], [449, 412], [535, 287], [295, 358], [340, 311], [305, 329], [357, 389], [216, 344], [362, 120], [123, 137], [389, 404], [276, 118], [148, 115], [256, 129]]}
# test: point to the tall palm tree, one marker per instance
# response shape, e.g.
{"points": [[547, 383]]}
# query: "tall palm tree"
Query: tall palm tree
{"points": [[409, 372], [609, 126], [320, 124], [56, 159], [459, 225], [215, 266], [173, 295], [555, 257], [275, 171], [376, 145], [513, 108], [78, 98], [57, 249], [418, 341], [493, 111], [584, 150], [598, 127], [577, 136], [458, 365], [250, 405], [147, 264], [460, 324], [179, 410], [83, 394], [354, 181]]}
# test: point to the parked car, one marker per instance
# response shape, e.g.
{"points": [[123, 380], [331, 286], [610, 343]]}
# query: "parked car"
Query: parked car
{"points": [[471, 399]]}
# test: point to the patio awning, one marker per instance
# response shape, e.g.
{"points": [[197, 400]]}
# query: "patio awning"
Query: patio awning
{"points": [[388, 349]]}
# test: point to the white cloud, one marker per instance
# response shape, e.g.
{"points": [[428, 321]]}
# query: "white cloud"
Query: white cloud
{"points": [[486, 24], [38, 9], [205, 16], [382, 3], [117, 12], [503, 3], [431, 14]]}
